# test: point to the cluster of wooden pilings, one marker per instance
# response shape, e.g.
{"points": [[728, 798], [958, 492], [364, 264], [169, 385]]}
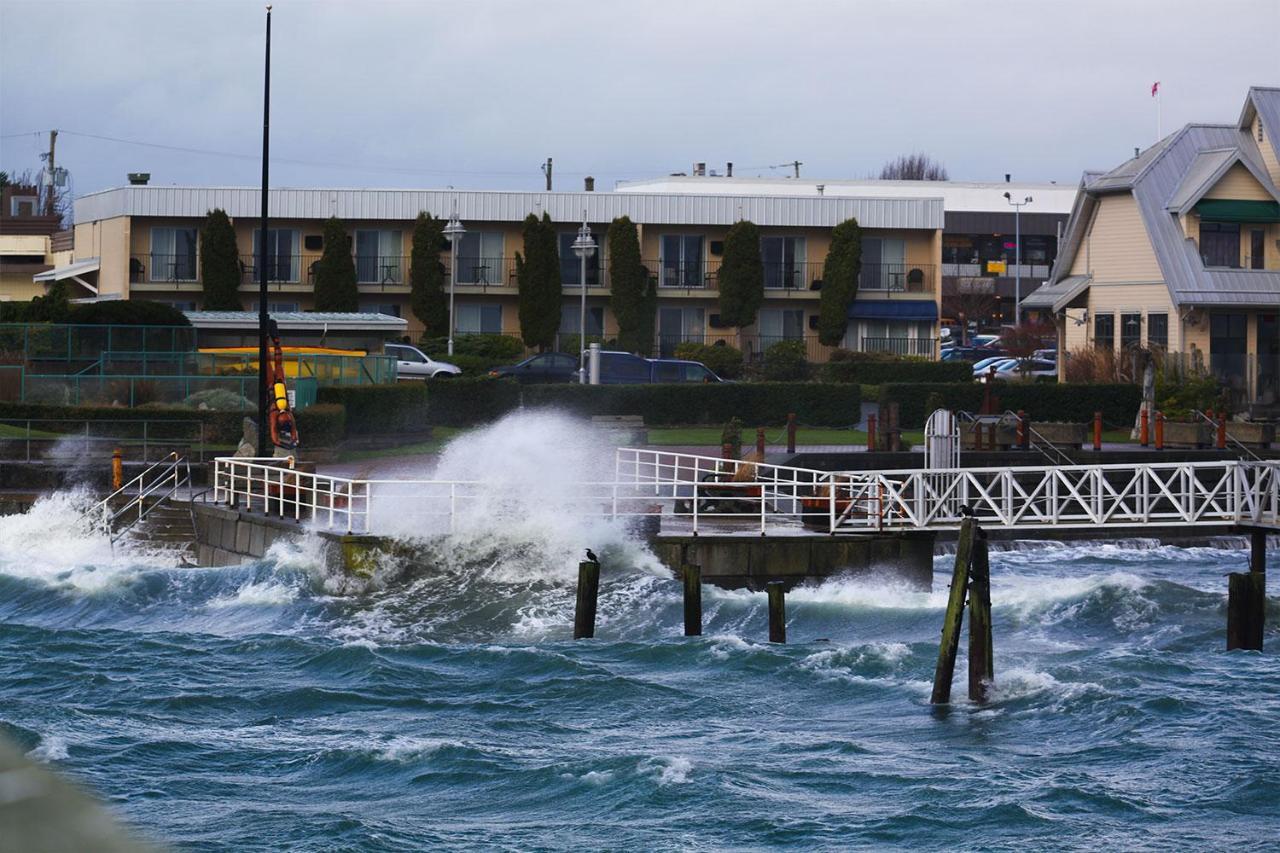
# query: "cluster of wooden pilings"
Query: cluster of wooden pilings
{"points": [[971, 587], [1247, 597]]}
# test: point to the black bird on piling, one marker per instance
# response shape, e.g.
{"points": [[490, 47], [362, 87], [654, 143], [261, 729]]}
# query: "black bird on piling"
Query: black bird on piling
{"points": [[591, 555]]}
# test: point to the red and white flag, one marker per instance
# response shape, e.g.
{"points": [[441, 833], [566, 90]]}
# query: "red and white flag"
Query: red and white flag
{"points": [[1155, 88]]}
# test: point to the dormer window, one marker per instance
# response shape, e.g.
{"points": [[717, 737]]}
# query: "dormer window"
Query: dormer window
{"points": [[1220, 244]]}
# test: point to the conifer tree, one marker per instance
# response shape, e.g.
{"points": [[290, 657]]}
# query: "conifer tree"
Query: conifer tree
{"points": [[538, 280], [839, 281], [741, 275], [336, 288], [220, 271], [634, 298], [427, 295]]}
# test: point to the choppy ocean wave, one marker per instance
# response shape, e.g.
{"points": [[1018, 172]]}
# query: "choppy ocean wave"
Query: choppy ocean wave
{"points": [[273, 706]]}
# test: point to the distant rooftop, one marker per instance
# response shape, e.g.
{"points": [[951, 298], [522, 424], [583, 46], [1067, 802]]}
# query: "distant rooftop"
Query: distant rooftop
{"points": [[295, 320]]}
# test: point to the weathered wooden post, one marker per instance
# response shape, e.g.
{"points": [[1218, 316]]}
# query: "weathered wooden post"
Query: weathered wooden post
{"points": [[1144, 427], [117, 470], [1097, 430], [692, 599], [945, 669], [777, 612], [981, 652], [1246, 603], [1222, 431], [991, 435], [584, 613], [1257, 550], [760, 442], [871, 432], [1023, 438], [726, 451], [791, 432], [1159, 430]]}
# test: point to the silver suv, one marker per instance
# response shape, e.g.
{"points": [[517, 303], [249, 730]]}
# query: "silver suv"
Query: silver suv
{"points": [[413, 363]]}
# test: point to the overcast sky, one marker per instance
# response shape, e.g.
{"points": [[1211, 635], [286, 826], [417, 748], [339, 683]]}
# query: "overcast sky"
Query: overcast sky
{"points": [[477, 93]]}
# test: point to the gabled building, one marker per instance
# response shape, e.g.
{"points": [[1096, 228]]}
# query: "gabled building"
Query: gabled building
{"points": [[1178, 249]]}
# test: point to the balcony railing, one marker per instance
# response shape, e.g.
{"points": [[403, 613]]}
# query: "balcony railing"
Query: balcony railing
{"points": [[794, 275], [925, 347], [896, 278], [980, 270], [382, 270], [163, 269]]}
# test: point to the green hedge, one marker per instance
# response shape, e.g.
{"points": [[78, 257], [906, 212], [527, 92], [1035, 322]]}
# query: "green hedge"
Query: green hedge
{"points": [[220, 427], [401, 407], [464, 401], [755, 403], [322, 425], [1042, 401], [874, 369]]}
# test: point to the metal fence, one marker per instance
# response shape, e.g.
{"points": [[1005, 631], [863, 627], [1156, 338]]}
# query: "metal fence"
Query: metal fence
{"points": [[237, 392], [69, 440], [27, 342]]}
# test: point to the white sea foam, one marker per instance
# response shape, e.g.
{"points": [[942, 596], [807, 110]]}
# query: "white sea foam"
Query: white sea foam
{"points": [[671, 770], [257, 594], [50, 748], [411, 748], [1022, 683]]}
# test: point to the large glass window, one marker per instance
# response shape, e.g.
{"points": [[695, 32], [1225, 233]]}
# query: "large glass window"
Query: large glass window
{"points": [[682, 261], [1220, 244], [389, 308], [480, 258], [1104, 331], [781, 324], [173, 254], [1257, 249], [571, 264], [679, 325], [378, 258], [282, 254], [1227, 340], [570, 315], [478, 319], [883, 264], [1130, 330], [1158, 330], [784, 261]]}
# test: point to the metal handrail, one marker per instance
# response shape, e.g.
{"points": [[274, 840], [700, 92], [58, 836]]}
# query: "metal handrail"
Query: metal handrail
{"points": [[1038, 442], [1239, 444], [175, 474]]}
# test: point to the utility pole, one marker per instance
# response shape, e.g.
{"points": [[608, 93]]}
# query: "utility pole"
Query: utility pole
{"points": [[50, 203], [264, 319], [796, 164], [546, 170]]}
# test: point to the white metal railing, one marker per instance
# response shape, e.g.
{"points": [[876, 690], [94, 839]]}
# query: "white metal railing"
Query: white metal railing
{"points": [[696, 489], [158, 482]]}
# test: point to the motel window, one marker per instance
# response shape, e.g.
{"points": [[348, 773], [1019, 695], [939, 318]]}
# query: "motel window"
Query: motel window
{"points": [[1104, 331], [1158, 330], [282, 254], [571, 314], [571, 264], [284, 307], [681, 261], [783, 259], [781, 324], [480, 258], [477, 319], [378, 258], [1220, 244], [679, 325], [389, 308], [173, 254], [1130, 331]]}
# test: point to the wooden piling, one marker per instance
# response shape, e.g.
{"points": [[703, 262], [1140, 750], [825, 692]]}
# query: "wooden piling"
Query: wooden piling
{"points": [[1257, 550], [692, 599], [945, 669], [981, 651], [117, 470], [1097, 430], [1246, 602], [584, 613], [777, 612], [871, 432], [760, 441], [1023, 438], [1159, 430], [791, 432], [1222, 431]]}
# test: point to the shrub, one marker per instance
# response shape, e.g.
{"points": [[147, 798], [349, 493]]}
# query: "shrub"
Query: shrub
{"points": [[786, 361], [1046, 402], [475, 354], [732, 436], [839, 281], [128, 312], [335, 288], [401, 407], [759, 403], [538, 282], [723, 360], [219, 399], [465, 401], [219, 263], [741, 276], [870, 368], [322, 425], [427, 295], [633, 298]]}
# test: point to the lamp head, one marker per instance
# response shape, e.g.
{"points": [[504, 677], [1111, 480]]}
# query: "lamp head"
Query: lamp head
{"points": [[1006, 195]]}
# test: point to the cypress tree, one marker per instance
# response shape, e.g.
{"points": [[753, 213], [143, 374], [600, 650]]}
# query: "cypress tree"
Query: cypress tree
{"points": [[219, 263], [741, 275], [336, 288], [634, 300], [839, 281], [427, 295], [538, 281]]}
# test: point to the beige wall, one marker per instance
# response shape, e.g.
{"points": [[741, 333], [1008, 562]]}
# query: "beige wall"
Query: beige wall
{"points": [[1119, 299], [1268, 147], [1240, 185], [1116, 247]]}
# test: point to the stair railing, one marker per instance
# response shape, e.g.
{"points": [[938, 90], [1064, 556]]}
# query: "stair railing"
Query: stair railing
{"points": [[159, 482]]}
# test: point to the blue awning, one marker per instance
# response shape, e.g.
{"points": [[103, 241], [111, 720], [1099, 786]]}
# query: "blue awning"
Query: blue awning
{"points": [[893, 309]]}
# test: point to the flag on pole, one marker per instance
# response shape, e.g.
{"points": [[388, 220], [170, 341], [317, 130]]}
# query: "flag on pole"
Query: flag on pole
{"points": [[1155, 88]]}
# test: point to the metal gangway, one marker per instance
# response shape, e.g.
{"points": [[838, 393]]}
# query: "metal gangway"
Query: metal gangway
{"points": [[707, 493]]}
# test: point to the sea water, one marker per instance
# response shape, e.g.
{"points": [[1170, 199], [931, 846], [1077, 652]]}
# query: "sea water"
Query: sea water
{"points": [[274, 706]]}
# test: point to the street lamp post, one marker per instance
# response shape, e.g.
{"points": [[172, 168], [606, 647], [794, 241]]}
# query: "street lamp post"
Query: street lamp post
{"points": [[584, 247], [453, 231], [1017, 257]]}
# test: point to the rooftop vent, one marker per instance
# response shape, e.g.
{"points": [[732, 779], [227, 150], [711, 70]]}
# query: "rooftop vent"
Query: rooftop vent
{"points": [[139, 179]]}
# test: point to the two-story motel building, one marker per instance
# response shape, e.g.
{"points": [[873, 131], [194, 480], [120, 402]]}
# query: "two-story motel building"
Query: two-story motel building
{"points": [[142, 242]]}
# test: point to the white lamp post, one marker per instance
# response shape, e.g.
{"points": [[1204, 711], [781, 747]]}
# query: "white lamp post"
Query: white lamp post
{"points": [[584, 247], [453, 231], [1017, 257]]}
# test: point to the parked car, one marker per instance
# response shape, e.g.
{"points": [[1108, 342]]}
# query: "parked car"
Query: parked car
{"points": [[1026, 368], [984, 340], [970, 354], [1046, 354], [984, 365], [543, 367], [413, 363]]}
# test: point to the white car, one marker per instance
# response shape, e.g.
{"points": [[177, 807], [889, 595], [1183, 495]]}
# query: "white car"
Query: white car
{"points": [[1026, 368], [413, 363]]}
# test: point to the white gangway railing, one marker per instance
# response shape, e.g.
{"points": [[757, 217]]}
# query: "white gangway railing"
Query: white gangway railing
{"points": [[743, 494]]}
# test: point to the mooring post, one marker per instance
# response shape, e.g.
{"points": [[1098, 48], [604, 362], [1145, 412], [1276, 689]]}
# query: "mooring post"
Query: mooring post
{"points": [[584, 613], [982, 664], [1159, 430], [1144, 428], [760, 442], [1222, 431], [117, 470], [1246, 602], [871, 432], [692, 599], [1097, 430], [726, 451], [991, 435], [791, 432], [1257, 550], [1022, 430], [950, 644], [777, 612]]}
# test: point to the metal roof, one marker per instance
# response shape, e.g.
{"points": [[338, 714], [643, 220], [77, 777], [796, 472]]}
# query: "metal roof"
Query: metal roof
{"points": [[1205, 171], [494, 206], [1057, 296], [295, 320], [88, 265]]}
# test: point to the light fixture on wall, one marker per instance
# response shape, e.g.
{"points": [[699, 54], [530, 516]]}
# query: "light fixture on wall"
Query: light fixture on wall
{"points": [[1084, 317]]}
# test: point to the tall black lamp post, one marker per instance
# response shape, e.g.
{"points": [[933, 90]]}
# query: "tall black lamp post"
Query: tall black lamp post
{"points": [[263, 318]]}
